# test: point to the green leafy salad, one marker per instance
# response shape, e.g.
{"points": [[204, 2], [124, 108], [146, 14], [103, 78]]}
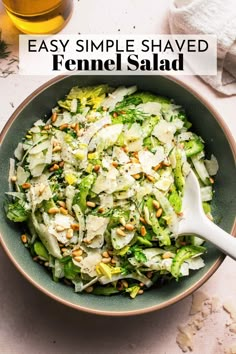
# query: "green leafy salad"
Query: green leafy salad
{"points": [[99, 189]]}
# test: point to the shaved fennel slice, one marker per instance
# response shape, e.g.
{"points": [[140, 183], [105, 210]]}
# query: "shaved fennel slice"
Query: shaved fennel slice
{"points": [[117, 96]]}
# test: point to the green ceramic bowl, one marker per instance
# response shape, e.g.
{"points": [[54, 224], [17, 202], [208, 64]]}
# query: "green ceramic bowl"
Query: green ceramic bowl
{"points": [[206, 122]]}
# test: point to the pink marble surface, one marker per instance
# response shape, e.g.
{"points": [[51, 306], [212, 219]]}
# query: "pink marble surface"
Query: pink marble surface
{"points": [[32, 323]]}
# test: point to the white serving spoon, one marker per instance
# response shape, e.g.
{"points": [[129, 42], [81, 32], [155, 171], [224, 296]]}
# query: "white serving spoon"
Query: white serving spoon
{"points": [[195, 222]]}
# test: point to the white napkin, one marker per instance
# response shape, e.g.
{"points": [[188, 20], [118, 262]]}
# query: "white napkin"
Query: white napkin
{"points": [[210, 17]]}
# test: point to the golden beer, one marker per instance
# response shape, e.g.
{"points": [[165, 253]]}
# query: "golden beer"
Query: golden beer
{"points": [[39, 16]]}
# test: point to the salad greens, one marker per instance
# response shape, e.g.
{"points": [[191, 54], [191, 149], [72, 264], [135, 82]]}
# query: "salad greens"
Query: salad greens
{"points": [[100, 187]]}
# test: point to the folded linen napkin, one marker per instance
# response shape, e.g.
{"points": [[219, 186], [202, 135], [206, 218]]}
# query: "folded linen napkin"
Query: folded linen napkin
{"points": [[210, 17]]}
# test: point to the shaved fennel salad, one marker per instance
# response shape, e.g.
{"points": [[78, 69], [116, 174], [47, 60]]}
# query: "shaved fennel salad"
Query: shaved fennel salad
{"points": [[99, 189]]}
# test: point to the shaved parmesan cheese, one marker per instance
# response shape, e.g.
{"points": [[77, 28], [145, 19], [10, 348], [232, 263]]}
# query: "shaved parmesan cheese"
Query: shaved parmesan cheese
{"points": [[19, 152], [164, 183], [151, 108], [39, 192], [96, 226], [212, 166], [94, 128], [107, 182], [164, 131], [131, 169], [105, 137], [206, 193], [119, 155], [21, 175], [88, 264], [118, 241], [106, 200], [148, 159], [40, 147]]}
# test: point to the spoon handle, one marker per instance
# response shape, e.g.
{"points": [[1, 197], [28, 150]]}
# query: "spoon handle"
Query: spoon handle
{"points": [[218, 237]]}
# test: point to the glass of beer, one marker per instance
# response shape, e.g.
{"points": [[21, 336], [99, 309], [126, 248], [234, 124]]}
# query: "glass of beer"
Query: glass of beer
{"points": [[39, 16]]}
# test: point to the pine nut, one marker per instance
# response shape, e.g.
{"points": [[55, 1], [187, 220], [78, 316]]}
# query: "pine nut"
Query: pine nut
{"points": [[56, 148], [13, 178], [63, 211], [149, 275], [24, 238], [156, 168], [106, 260], [54, 117], [55, 143], [90, 204], [77, 253], [55, 167], [125, 283], [96, 168], [64, 249], [113, 261], [120, 232], [166, 163], [60, 228], [87, 241], [135, 154], [105, 254], [47, 127], [129, 227], [140, 292], [211, 180], [136, 176], [156, 204], [101, 210], [159, 212], [53, 210], [143, 231], [61, 203], [64, 126], [166, 255], [26, 185], [142, 220], [69, 234], [150, 178], [115, 115], [77, 129], [125, 149], [134, 160], [114, 163], [75, 227], [80, 132], [78, 258], [89, 289], [61, 164]]}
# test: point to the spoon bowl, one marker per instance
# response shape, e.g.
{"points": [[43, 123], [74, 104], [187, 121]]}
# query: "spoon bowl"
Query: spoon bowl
{"points": [[196, 222]]}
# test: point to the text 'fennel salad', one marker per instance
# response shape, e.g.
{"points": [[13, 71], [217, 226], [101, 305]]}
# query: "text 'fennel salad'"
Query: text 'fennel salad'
{"points": [[100, 186]]}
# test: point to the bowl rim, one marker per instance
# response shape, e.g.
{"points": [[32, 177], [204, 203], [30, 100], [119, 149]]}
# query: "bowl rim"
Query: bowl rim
{"points": [[176, 298]]}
